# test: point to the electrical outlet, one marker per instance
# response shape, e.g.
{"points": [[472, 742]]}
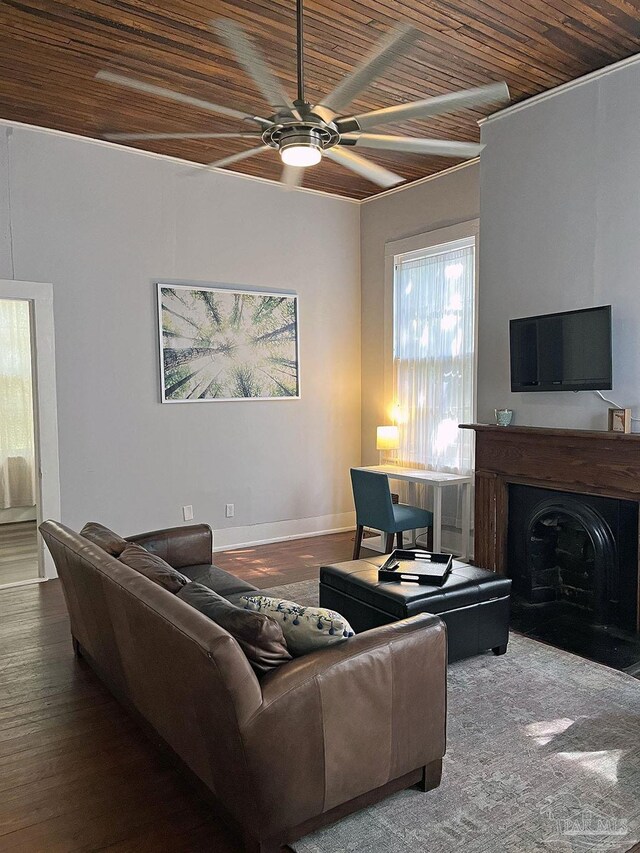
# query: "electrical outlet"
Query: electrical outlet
{"points": [[187, 513], [229, 510]]}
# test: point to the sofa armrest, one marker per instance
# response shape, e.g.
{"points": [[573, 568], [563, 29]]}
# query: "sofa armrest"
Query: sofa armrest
{"points": [[189, 545], [339, 722]]}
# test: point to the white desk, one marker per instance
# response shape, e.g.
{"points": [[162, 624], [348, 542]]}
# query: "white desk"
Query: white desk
{"points": [[438, 480]]}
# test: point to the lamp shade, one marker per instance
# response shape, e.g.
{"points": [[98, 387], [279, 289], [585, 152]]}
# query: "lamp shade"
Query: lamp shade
{"points": [[387, 438]]}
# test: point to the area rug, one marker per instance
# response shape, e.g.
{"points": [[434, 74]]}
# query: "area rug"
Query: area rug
{"points": [[543, 754]]}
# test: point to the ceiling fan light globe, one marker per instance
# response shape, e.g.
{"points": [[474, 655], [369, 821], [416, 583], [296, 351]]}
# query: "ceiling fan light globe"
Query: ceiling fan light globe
{"points": [[301, 155]]}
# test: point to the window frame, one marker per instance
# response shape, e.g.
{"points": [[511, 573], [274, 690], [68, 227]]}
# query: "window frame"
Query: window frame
{"points": [[415, 245]]}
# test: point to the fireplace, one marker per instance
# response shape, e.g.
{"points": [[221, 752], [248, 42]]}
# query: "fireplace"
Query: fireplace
{"points": [[557, 510], [577, 550]]}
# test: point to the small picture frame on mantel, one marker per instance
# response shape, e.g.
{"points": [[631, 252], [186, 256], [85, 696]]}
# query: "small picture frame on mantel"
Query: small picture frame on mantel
{"points": [[619, 420]]}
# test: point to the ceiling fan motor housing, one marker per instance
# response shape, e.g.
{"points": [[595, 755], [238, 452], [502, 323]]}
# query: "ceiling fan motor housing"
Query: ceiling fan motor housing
{"points": [[306, 134]]}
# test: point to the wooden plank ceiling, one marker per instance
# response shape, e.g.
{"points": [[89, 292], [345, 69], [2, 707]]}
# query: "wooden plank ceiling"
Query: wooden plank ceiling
{"points": [[50, 52]]}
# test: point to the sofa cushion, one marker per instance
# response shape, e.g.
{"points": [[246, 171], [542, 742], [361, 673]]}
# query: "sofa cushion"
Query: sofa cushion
{"points": [[259, 637], [104, 538], [225, 584], [153, 567], [305, 628]]}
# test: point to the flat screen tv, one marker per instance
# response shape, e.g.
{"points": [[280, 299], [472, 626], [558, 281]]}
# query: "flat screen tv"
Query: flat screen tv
{"points": [[570, 351]]}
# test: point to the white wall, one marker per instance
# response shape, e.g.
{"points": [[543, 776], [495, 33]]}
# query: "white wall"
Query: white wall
{"points": [[445, 200], [103, 224], [560, 214]]}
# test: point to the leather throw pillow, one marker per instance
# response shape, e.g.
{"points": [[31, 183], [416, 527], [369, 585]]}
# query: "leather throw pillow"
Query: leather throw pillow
{"points": [[104, 538], [154, 568], [259, 637]]}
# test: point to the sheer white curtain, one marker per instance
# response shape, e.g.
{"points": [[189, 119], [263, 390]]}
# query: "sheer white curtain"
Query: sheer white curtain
{"points": [[17, 457], [434, 342]]}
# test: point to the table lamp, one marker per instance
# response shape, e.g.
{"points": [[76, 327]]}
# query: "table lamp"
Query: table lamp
{"points": [[387, 438]]}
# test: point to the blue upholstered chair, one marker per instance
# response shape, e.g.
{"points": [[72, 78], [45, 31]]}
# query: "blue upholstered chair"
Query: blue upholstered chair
{"points": [[374, 508]]}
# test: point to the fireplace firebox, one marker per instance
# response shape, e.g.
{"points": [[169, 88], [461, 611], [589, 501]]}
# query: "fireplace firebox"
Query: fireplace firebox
{"points": [[579, 550]]}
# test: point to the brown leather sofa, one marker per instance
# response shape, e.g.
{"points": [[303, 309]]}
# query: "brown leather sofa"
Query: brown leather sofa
{"points": [[318, 738]]}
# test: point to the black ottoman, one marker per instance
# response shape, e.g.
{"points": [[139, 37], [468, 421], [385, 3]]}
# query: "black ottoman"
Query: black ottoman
{"points": [[473, 602]]}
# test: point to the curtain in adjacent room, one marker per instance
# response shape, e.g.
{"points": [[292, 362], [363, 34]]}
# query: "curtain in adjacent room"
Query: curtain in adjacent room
{"points": [[17, 457], [434, 344]]}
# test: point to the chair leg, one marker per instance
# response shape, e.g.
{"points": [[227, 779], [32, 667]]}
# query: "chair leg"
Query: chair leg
{"points": [[431, 775], [358, 542], [399, 539], [77, 650], [388, 548]]}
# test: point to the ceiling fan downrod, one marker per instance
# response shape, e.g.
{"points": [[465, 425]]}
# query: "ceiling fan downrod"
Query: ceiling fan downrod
{"points": [[300, 51]]}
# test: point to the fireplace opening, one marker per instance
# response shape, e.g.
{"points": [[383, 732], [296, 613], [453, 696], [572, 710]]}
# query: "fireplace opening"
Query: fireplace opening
{"points": [[571, 556], [573, 560]]}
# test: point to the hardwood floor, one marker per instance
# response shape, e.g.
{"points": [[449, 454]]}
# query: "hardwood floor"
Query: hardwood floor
{"points": [[76, 774], [286, 562], [18, 552]]}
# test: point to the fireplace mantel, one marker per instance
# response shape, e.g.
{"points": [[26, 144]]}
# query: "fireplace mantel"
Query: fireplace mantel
{"points": [[570, 460], [551, 431]]}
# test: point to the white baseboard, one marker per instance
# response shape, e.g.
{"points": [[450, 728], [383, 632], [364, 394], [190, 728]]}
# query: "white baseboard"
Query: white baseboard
{"points": [[18, 514], [231, 538], [451, 542]]}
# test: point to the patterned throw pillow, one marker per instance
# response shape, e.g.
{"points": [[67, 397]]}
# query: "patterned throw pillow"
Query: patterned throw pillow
{"points": [[154, 568], [305, 628]]}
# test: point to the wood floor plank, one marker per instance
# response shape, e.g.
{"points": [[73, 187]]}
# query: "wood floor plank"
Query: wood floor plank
{"points": [[18, 552]]}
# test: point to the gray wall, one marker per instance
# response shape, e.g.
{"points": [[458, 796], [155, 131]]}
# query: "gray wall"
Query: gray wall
{"points": [[560, 214], [103, 223], [6, 261], [446, 200]]}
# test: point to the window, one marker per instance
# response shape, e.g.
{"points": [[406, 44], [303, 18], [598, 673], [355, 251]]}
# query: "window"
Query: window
{"points": [[434, 354]]}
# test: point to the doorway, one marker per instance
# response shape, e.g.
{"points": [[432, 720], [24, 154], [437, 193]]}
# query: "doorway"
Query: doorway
{"points": [[29, 484]]}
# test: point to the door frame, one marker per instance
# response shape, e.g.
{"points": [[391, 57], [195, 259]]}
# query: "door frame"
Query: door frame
{"points": [[45, 408]]}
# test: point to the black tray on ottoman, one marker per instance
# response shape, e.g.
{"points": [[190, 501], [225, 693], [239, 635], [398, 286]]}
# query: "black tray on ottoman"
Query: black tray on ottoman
{"points": [[473, 602]]}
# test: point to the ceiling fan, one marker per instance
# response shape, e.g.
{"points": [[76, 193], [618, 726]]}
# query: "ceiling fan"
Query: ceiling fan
{"points": [[303, 133]]}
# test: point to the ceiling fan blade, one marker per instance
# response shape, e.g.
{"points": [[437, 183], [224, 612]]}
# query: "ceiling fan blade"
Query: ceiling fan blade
{"points": [[250, 59], [371, 171], [160, 92], [232, 158], [396, 41], [494, 93], [292, 176], [131, 137], [434, 147]]}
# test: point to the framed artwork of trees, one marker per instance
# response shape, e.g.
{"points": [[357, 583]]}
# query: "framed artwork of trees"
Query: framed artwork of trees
{"points": [[227, 343]]}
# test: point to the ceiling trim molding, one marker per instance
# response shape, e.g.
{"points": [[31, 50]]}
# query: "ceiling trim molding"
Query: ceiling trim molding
{"points": [[561, 89], [188, 163], [425, 180], [241, 175]]}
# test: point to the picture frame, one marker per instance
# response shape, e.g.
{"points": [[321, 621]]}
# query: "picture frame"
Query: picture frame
{"points": [[227, 343], [620, 420]]}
